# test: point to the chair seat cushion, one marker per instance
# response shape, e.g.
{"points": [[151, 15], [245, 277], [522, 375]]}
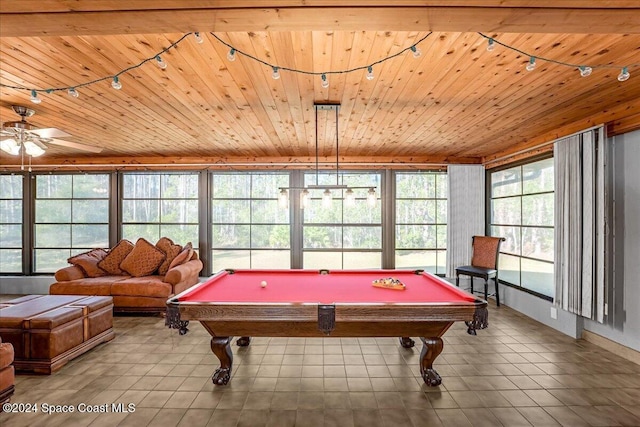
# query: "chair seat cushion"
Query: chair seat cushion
{"points": [[470, 270]]}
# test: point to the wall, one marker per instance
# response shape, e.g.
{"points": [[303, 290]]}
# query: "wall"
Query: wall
{"points": [[12, 285]]}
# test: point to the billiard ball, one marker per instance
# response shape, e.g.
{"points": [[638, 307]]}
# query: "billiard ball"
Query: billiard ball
{"points": [[263, 284]]}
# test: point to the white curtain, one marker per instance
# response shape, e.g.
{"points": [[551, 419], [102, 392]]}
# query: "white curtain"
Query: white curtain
{"points": [[465, 213], [580, 223]]}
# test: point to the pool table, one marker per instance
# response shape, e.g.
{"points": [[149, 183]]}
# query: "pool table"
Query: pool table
{"points": [[337, 303]]}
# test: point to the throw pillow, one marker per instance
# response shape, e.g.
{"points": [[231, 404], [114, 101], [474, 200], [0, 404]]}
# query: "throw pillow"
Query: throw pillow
{"points": [[170, 249], [88, 262], [111, 263], [143, 260], [182, 257]]}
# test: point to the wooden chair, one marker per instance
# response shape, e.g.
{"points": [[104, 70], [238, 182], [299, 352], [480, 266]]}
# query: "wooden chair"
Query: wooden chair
{"points": [[484, 262]]}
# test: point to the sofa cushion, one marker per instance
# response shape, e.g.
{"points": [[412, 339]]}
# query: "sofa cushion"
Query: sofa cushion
{"points": [[87, 286], [111, 262], [171, 250], [184, 256], [147, 286], [143, 260], [88, 262]]}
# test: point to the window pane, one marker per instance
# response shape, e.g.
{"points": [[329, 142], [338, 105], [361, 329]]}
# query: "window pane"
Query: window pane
{"points": [[442, 262], [538, 177], [415, 211], [361, 260], [11, 186], [506, 183], [320, 260], [418, 186], [537, 209], [91, 186], [11, 260], [52, 211], [270, 236], [96, 211], [315, 213], [53, 186], [441, 214], [180, 211], [231, 186], [223, 259], [512, 235], [52, 235], [179, 186], [90, 236], [266, 185], [10, 236], [140, 211], [441, 236], [231, 211], [417, 259], [415, 236], [537, 243], [231, 236], [442, 186], [362, 237], [538, 276], [362, 213], [322, 237], [271, 260], [133, 232], [139, 186], [506, 211], [11, 211], [268, 211], [50, 260], [509, 268], [181, 233]]}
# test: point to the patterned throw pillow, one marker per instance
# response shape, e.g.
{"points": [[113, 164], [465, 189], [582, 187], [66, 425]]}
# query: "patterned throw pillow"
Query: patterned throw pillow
{"points": [[184, 256], [170, 249], [88, 262], [111, 263], [143, 260]]}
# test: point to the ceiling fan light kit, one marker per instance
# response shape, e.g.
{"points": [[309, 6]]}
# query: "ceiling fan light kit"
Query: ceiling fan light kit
{"points": [[22, 137]]}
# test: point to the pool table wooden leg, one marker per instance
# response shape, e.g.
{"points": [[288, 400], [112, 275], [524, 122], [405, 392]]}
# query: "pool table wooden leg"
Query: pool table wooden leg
{"points": [[431, 348], [221, 348]]}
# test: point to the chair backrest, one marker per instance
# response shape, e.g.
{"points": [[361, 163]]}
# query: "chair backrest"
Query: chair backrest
{"points": [[485, 251]]}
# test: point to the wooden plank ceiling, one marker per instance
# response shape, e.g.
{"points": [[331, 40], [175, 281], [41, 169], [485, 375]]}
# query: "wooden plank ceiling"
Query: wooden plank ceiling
{"points": [[456, 103]]}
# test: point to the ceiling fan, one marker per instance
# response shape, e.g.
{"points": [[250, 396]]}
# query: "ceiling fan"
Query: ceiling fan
{"points": [[17, 136]]}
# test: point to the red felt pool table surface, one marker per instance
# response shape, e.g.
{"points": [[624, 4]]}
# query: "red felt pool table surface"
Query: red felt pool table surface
{"points": [[336, 287]]}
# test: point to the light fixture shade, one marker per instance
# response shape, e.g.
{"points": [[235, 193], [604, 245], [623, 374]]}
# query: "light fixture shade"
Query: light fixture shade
{"points": [[305, 198], [10, 146], [231, 56], [325, 82], [416, 51], [73, 92], [198, 38], [276, 73], [585, 71], [372, 198], [32, 149], [326, 199], [34, 97], [490, 45], [370, 75], [349, 197], [283, 199]]}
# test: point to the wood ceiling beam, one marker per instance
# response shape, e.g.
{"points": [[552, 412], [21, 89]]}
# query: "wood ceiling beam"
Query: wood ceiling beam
{"points": [[33, 19]]}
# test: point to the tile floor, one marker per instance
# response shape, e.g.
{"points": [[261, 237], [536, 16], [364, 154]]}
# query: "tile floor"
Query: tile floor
{"points": [[516, 373]]}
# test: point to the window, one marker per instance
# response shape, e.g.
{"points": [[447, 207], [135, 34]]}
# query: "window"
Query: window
{"points": [[156, 205], [248, 228], [342, 236], [421, 221], [71, 216], [11, 223], [522, 209]]}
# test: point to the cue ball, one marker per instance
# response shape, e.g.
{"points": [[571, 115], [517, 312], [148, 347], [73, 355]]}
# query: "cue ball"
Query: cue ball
{"points": [[263, 284]]}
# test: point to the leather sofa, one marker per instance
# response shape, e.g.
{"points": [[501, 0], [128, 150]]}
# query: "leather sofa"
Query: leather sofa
{"points": [[130, 292], [7, 373]]}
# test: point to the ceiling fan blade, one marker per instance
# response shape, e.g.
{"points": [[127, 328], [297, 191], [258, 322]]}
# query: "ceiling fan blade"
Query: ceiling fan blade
{"points": [[75, 145], [39, 143], [50, 133]]}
